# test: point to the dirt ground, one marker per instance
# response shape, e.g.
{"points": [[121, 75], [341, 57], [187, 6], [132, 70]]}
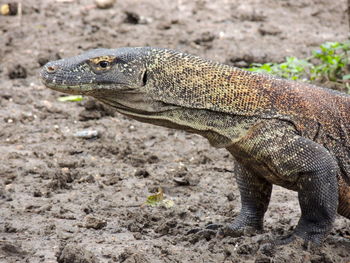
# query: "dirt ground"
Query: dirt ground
{"points": [[66, 198]]}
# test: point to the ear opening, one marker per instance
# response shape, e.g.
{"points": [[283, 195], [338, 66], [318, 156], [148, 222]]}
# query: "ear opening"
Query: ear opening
{"points": [[144, 78]]}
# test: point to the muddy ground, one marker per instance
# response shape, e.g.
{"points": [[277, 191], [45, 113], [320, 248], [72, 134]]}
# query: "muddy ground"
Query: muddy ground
{"points": [[65, 198]]}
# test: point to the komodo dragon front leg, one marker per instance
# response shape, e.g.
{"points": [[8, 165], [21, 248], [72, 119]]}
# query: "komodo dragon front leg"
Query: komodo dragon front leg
{"points": [[255, 194], [272, 153]]}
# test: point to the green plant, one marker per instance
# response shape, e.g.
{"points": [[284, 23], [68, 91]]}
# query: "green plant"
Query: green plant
{"points": [[293, 68], [329, 63]]}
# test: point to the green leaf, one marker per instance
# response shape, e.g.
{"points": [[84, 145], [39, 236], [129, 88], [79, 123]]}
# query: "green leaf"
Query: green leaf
{"points": [[159, 200], [70, 98], [346, 77], [154, 200]]}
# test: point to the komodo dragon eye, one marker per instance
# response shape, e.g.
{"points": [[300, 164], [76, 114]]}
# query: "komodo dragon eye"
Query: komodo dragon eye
{"points": [[103, 64]]}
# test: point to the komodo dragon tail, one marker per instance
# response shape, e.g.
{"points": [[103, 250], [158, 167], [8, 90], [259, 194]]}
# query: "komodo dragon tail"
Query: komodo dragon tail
{"points": [[344, 198]]}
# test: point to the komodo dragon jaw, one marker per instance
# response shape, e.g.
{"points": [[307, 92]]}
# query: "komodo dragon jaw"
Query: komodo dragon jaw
{"points": [[280, 132]]}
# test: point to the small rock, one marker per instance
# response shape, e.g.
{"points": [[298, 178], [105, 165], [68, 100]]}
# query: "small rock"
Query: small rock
{"points": [[94, 222], [182, 181], [104, 4], [131, 128], [87, 134]]}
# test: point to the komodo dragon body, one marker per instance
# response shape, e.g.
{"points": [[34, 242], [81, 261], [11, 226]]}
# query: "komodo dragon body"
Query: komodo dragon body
{"points": [[281, 132]]}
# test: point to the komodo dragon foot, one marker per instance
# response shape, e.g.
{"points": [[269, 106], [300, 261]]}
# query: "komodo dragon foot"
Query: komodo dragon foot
{"points": [[220, 231], [238, 228]]}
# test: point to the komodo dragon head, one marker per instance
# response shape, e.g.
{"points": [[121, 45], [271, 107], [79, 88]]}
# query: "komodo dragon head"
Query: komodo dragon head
{"points": [[118, 77]]}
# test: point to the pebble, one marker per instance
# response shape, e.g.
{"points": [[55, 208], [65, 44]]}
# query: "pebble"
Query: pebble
{"points": [[87, 134], [94, 222], [104, 4]]}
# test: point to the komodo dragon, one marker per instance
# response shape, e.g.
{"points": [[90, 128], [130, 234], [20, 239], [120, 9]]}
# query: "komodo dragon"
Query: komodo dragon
{"points": [[280, 132]]}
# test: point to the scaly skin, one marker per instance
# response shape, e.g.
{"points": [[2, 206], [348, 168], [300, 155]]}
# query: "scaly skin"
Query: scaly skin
{"points": [[281, 132]]}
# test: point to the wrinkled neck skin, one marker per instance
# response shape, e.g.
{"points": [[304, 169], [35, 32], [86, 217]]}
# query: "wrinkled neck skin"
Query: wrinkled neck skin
{"points": [[133, 103], [221, 129]]}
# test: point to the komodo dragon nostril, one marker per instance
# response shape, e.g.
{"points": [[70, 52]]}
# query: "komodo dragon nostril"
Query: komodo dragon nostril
{"points": [[51, 69]]}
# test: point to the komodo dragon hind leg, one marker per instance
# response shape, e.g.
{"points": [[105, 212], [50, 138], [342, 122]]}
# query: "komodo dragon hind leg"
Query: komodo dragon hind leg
{"points": [[299, 164], [318, 199]]}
